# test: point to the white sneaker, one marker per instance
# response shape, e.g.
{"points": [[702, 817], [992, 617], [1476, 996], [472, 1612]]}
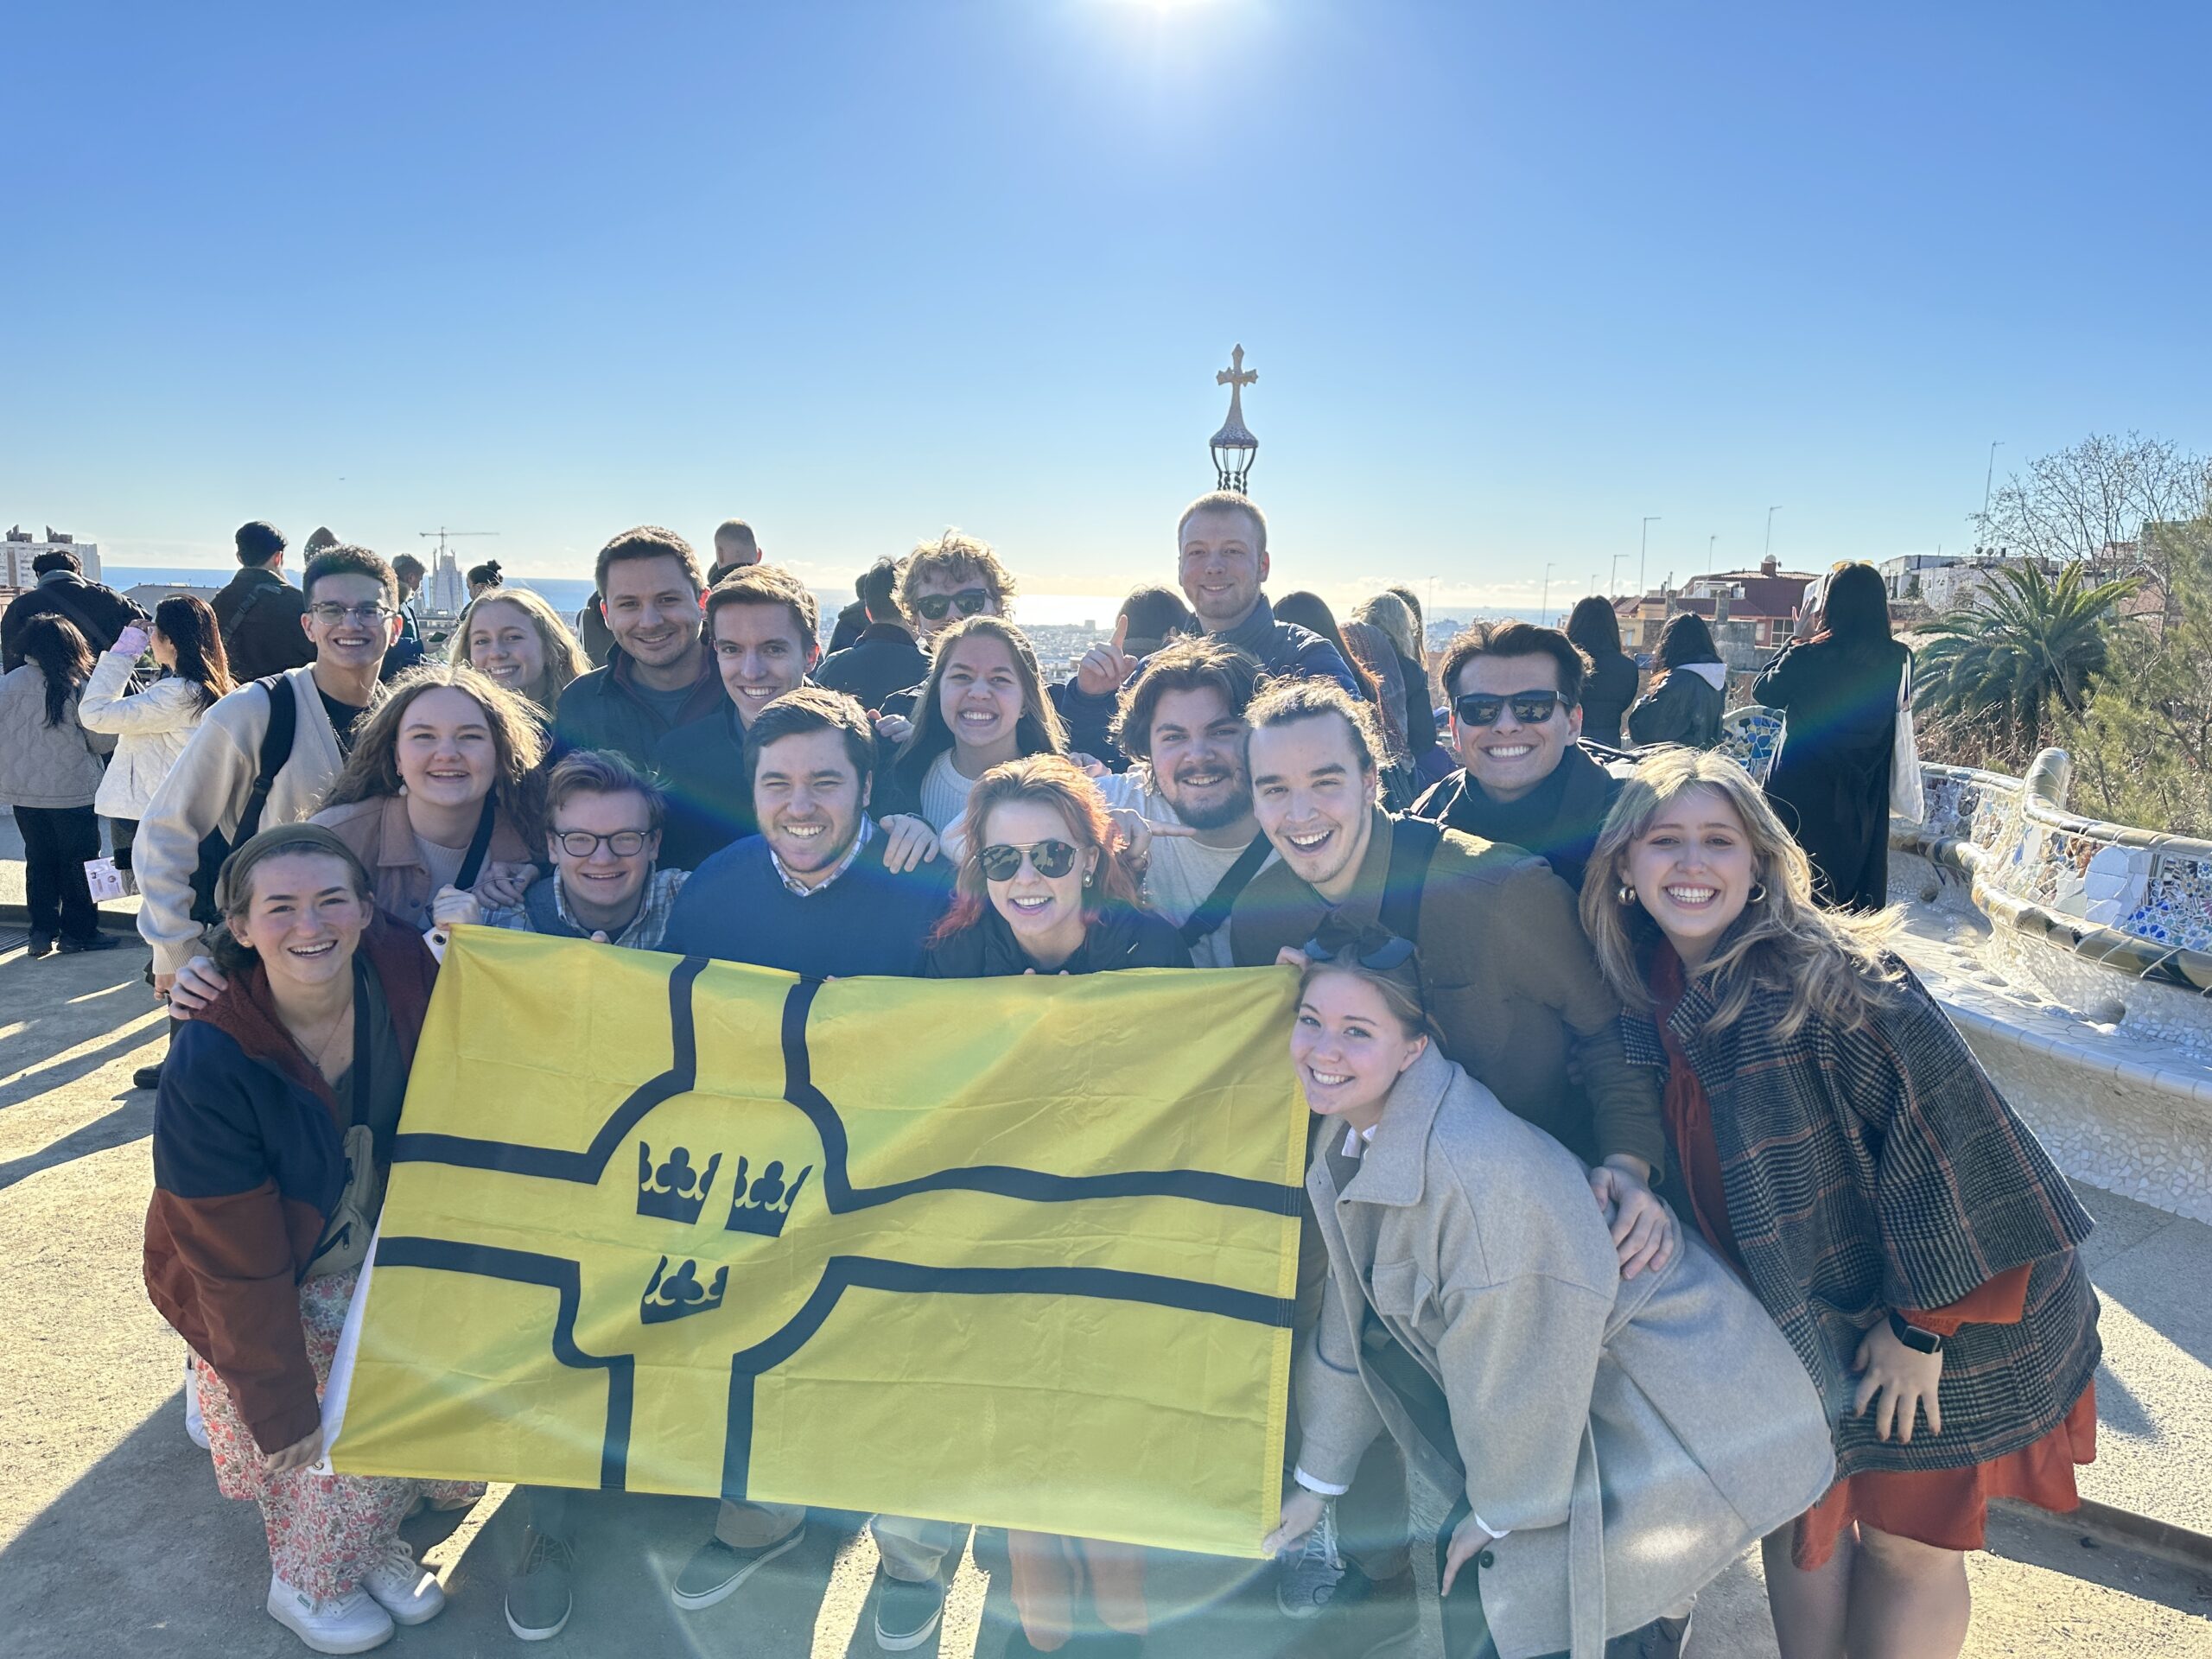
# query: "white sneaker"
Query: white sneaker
{"points": [[353, 1624], [195, 1426], [410, 1593]]}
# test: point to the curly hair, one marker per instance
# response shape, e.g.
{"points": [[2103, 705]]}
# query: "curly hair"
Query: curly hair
{"points": [[372, 772], [954, 556], [564, 658], [1044, 780], [1832, 965], [1204, 664]]}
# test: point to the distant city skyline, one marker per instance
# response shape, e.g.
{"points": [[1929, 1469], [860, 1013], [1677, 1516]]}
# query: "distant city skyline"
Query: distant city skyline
{"points": [[1513, 280]]}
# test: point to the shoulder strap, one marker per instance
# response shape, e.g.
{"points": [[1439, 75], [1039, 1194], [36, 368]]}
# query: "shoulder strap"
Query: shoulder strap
{"points": [[276, 750], [1414, 842], [478, 843], [1213, 910], [237, 618], [75, 612]]}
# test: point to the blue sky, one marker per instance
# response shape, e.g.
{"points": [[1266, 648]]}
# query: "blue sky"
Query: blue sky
{"points": [[1512, 277]]}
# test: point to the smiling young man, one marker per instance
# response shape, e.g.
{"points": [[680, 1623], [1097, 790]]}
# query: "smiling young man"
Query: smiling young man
{"points": [[603, 826], [1185, 720], [1525, 777], [811, 894], [352, 617], [657, 676], [1222, 551]]}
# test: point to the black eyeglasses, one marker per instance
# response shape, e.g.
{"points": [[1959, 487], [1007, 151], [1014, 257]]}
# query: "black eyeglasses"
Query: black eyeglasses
{"points": [[1387, 954], [1530, 707], [328, 613], [582, 843], [1003, 862], [969, 600]]}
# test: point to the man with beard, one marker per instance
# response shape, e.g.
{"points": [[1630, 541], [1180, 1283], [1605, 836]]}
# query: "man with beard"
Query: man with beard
{"points": [[1193, 799], [657, 677]]}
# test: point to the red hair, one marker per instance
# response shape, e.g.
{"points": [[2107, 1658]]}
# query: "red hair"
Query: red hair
{"points": [[1048, 780]]}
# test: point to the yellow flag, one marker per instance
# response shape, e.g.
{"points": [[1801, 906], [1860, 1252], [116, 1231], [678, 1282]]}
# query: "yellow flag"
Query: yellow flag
{"points": [[1018, 1252]]}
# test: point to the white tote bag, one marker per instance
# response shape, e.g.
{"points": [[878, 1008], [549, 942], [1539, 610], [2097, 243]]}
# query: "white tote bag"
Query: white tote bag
{"points": [[1906, 800]]}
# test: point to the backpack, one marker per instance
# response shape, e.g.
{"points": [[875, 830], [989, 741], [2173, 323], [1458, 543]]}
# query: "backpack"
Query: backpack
{"points": [[275, 751]]}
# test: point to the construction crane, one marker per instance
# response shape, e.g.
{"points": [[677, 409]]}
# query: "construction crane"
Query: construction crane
{"points": [[445, 591]]}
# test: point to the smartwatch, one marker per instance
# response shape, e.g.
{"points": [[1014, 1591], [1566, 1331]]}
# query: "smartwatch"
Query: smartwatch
{"points": [[1921, 1342]]}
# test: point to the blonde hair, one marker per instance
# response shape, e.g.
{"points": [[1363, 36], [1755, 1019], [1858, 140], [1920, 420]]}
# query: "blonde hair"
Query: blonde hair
{"points": [[953, 556], [564, 658], [1831, 964], [1395, 617]]}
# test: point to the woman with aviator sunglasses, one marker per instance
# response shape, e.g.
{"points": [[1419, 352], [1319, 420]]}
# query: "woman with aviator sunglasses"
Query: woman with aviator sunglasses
{"points": [[1041, 890]]}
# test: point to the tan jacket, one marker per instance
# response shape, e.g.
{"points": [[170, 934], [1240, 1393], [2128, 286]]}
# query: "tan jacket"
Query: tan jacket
{"points": [[379, 832], [1630, 1439]]}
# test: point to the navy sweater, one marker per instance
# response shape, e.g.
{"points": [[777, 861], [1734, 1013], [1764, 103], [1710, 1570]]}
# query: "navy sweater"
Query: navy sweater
{"points": [[735, 908]]}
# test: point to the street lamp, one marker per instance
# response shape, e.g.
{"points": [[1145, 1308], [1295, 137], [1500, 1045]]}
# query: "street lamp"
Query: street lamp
{"points": [[1613, 580], [1989, 477], [1770, 512], [1544, 610], [1234, 446], [1642, 545]]}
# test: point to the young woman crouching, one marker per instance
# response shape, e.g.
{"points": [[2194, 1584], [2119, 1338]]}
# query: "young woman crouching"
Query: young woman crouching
{"points": [[1839, 1143], [1614, 1443]]}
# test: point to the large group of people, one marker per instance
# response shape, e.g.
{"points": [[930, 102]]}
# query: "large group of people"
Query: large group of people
{"points": [[1654, 1209]]}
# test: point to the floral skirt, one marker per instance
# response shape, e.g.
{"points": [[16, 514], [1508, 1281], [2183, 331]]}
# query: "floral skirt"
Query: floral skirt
{"points": [[325, 1531]]}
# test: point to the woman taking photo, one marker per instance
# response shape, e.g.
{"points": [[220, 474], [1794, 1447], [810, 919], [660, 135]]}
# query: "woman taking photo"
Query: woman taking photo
{"points": [[1610, 687], [150, 726], [1614, 1444], [50, 774], [1841, 691], [272, 1138], [515, 640], [1839, 1143], [1689, 688], [1041, 892], [440, 794], [982, 705]]}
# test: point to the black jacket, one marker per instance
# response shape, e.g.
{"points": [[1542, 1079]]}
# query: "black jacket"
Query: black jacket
{"points": [[1421, 734], [1606, 695], [851, 622], [1685, 708], [602, 711], [1557, 820], [99, 613], [1122, 936], [259, 613], [883, 660], [702, 769]]}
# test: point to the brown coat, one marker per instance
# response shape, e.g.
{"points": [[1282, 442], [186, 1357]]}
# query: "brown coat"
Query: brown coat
{"points": [[379, 832]]}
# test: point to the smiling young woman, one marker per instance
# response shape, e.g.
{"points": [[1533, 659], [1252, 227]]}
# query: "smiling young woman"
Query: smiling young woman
{"points": [[1835, 1138], [984, 703]]}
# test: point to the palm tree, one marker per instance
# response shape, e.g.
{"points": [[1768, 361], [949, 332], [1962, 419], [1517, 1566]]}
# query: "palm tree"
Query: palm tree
{"points": [[2028, 641]]}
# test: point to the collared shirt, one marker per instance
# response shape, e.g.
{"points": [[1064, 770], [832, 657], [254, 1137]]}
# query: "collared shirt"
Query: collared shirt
{"points": [[799, 889], [645, 932]]}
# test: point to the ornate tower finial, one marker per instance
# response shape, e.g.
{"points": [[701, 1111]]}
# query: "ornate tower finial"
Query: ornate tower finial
{"points": [[1234, 446]]}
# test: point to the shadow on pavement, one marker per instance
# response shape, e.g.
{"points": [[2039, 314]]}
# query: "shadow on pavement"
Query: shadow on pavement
{"points": [[131, 1120]]}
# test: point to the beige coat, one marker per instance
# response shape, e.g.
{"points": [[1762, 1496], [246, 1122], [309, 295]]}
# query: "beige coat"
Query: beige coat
{"points": [[1666, 1415]]}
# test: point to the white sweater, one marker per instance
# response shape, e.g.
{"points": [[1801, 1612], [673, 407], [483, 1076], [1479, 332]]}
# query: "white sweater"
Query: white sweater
{"points": [[207, 789], [149, 728]]}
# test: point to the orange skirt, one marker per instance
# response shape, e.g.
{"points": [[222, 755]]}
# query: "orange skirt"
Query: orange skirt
{"points": [[1949, 1508]]}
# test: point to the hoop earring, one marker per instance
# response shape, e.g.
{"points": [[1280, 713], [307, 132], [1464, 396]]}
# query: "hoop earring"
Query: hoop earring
{"points": [[1757, 893], [1626, 896]]}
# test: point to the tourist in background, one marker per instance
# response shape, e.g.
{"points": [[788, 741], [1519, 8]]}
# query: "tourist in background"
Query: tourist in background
{"points": [[983, 705], [438, 798], [482, 578], [1689, 688], [50, 774], [1610, 687], [150, 726], [262, 616], [516, 639], [658, 675], [1368, 647], [409, 573], [1524, 777], [272, 1140], [99, 613], [1401, 625], [735, 550], [1840, 692], [1471, 1297], [1840, 1144], [881, 657], [1155, 616]]}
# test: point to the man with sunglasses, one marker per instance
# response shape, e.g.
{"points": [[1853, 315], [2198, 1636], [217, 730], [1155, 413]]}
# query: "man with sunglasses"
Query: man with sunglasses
{"points": [[1525, 778], [943, 582]]}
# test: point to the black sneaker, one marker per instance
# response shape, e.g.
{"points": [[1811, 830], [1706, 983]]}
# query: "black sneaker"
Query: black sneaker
{"points": [[42, 944], [98, 942], [906, 1611], [538, 1596], [147, 1076], [717, 1569]]}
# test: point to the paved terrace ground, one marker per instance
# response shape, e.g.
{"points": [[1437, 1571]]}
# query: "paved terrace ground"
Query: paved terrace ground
{"points": [[113, 1539]]}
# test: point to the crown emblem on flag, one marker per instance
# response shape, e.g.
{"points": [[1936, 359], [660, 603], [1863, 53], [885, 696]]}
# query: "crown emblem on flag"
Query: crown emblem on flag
{"points": [[766, 1205], [678, 1295], [676, 1192]]}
